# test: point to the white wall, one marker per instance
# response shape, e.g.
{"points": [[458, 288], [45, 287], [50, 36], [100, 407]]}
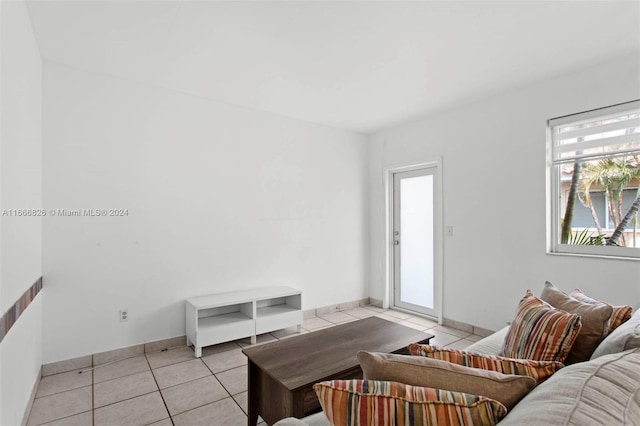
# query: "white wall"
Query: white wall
{"points": [[494, 195], [20, 188], [219, 198], [21, 357]]}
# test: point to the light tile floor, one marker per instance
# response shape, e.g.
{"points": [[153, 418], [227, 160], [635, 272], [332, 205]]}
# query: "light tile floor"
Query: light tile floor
{"points": [[173, 388]]}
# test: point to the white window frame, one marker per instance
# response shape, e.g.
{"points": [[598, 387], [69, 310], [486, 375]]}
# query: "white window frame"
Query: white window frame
{"points": [[554, 203]]}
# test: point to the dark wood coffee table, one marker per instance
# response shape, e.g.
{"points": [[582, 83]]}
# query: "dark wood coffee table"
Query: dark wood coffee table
{"points": [[282, 374]]}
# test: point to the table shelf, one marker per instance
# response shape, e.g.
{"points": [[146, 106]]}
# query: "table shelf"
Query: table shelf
{"points": [[218, 318], [275, 310]]}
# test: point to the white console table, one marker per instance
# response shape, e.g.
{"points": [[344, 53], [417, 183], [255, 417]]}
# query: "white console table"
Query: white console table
{"points": [[223, 317]]}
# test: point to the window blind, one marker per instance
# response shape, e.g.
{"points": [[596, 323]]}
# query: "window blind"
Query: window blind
{"points": [[607, 132]]}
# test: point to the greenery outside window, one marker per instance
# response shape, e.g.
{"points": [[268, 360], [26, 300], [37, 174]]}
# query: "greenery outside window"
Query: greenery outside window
{"points": [[594, 175]]}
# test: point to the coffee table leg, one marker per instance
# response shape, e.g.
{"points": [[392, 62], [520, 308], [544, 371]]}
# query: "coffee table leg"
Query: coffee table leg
{"points": [[253, 395]]}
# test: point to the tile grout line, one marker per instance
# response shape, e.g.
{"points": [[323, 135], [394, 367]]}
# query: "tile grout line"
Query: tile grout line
{"points": [[126, 399], [221, 371], [145, 354], [200, 406], [61, 391], [58, 393], [158, 386], [212, 402], [151, 370], [93, 368], [118, 378], [232, 398], [104, 364], [61, 418], [219, 381], [222, 384]]}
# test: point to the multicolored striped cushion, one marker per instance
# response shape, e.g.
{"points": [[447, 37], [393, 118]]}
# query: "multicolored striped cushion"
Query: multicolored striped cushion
{"points": [[434, 373], [620, 314], [540, 332], [381, 403], [539, 370]]}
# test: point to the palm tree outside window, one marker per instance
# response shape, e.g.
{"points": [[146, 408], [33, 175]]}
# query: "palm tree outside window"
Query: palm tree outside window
{"points": [[594, 174]]}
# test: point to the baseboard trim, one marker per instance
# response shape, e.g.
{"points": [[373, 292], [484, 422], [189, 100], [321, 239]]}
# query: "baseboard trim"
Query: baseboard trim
{"points": [[101, 358], [324, 310], [469, 328], [159, 345], [375, 302], [34, 391]]}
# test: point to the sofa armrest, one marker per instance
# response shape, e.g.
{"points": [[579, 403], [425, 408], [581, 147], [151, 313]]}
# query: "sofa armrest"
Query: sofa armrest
{"points": [[490, 345]]}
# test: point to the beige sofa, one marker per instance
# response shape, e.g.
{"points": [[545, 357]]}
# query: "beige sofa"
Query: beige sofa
{"points": [[602, 391]]}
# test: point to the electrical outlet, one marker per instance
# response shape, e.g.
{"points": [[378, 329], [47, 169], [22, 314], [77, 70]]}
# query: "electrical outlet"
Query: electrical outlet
{"points": [[124, 315]]}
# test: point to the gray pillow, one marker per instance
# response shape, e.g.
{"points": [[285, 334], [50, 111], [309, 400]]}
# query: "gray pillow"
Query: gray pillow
{"points": [[599, 392], [593, 316], [623, 338]]}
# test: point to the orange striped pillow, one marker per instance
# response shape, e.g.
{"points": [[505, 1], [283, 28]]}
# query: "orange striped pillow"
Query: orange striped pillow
{"points": [[540, 332], [381, 403], [539, 370], [620, 315]]}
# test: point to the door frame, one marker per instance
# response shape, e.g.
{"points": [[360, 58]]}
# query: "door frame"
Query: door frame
{"points": [[438, 237]]}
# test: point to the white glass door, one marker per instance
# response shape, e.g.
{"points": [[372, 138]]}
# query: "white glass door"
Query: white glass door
{"points": [[413, 240]]}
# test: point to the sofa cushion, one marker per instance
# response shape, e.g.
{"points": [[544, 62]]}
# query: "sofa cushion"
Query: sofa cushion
{"points": [[540, 332], [593, 316], [539, 370], [371, 402], [317, 419], [619, 314], [623, 338], [490, 345], [603, 391], [434, 373]]}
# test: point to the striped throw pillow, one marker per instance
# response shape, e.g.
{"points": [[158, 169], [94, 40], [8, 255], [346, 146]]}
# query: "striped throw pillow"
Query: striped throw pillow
{"points": [[382, 403], [540, 332], [539, 370], [620, 315]]}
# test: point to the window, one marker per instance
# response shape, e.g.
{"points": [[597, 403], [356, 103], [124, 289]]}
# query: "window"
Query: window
{"points": [[594, 171]]}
